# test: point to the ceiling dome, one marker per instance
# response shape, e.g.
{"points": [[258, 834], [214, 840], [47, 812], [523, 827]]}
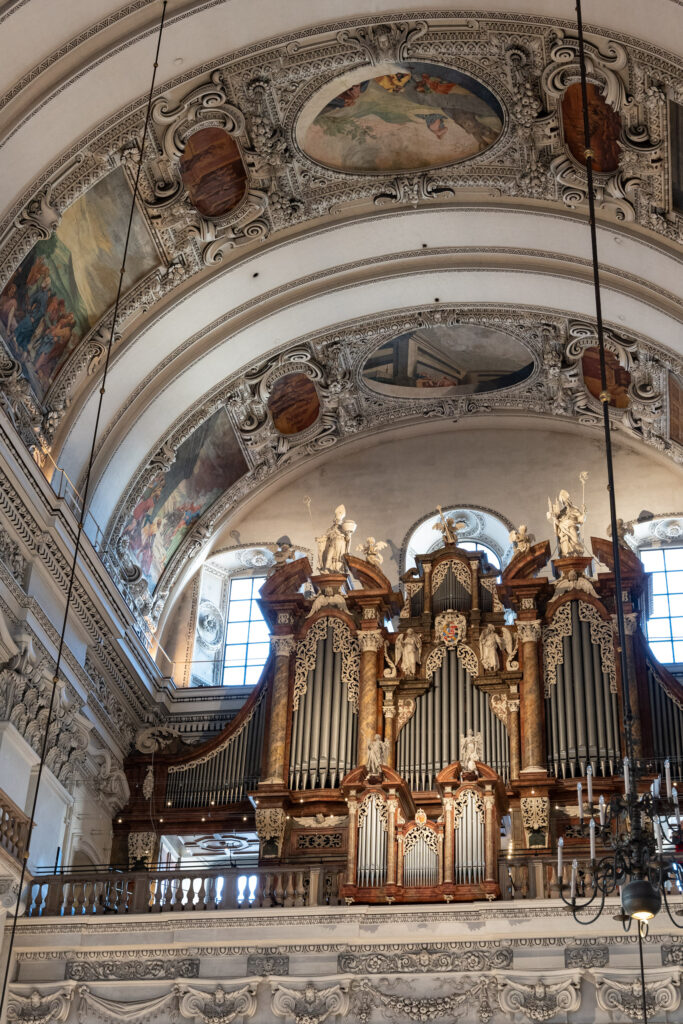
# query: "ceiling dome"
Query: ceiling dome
{"points": [[410, 116]]}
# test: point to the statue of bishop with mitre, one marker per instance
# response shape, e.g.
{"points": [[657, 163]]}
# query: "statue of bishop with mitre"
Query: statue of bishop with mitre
{"points": [[333, 545]]}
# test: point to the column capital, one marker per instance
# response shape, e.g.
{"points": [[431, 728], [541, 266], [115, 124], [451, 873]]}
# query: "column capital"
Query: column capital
{"points": [[282, 645], [370, 640], [529, 630]]}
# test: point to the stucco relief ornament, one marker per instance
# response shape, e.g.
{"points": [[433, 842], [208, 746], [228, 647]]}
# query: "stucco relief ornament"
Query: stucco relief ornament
{"points": [[218, 1007], [408, 652], [310, 1005], [37, 1009], [540, 1002], [148, 783], [371, 549], [626, 997], [333, 545], [154, 738]]}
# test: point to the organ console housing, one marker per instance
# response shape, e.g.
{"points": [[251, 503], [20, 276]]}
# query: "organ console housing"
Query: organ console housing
{"points": [[415, 744]]}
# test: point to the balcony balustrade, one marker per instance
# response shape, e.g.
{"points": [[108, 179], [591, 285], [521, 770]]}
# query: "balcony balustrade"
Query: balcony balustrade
{"points": [[13, 827]]}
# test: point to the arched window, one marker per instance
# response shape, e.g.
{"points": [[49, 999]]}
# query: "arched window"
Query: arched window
{"points": [[484, 530], [659, 541]]}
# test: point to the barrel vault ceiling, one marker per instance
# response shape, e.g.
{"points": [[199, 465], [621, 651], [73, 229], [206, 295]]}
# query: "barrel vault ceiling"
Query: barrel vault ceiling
{"points": [[353, 218]]}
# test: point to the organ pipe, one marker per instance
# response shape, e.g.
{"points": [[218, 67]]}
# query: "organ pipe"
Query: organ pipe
{"points": [[469, 867], [372, 842], [323, 725], [224, 775], [430, 739]]}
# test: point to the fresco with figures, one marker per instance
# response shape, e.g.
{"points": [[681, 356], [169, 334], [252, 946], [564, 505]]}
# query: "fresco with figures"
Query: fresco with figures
{"points": [[69, 280], [414, 116], [464, 359], [206, 464]]}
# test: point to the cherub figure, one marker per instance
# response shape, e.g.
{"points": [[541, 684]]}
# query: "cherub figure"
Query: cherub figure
{"points": [[371, 549], [520, 539], [448, 527]]}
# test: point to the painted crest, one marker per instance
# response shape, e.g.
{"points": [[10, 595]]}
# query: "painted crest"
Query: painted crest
{"points": [[450, 627]]}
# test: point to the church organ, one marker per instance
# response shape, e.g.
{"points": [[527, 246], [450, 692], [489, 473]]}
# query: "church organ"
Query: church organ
{"points": [[393, 757]]}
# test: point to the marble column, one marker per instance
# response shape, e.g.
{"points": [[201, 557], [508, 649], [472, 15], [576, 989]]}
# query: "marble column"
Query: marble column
{"points": [[513, 731], [531, 702], [389, 712], [283, 646], [370, 641], [427, 589]]}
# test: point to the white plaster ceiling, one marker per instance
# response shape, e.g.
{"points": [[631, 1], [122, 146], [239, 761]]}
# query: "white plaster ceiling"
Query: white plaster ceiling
{"points": [[70, 68]]}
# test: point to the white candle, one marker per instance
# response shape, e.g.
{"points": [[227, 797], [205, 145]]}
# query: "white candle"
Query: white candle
{"points": [[579, 795], [589, 783], [627, 778], [575, 865], [658, 834], [560, 849], [592, 837], [667, 775], [674, 795], [656, 785], [601, 803]]}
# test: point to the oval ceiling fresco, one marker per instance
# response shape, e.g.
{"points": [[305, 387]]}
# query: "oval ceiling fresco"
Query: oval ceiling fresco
{"points": [[412, 117], [465, 359], [293, 403]]}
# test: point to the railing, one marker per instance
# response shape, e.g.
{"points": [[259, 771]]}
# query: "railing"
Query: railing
{"points": [[150, 892], [13, 827]]}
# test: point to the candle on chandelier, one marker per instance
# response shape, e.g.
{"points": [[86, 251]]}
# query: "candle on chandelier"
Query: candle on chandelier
{"points": [[656, 785], [674, 796], [627, 777], [579, 795], [575, 866], [601, 806], [591, 828], [659, 836], [667, 776], [589, 783], [560, 849]]}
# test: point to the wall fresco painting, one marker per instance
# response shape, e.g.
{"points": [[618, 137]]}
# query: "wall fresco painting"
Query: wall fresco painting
{"points": [[604, 124], [293, 403], [465, 359], [415, 116], [618, 378], [212, 171], [206, 464], [68, 281]]}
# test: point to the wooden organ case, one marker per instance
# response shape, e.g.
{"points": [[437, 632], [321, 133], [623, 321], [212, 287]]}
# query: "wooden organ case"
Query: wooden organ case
{"points": [[391, 755]]}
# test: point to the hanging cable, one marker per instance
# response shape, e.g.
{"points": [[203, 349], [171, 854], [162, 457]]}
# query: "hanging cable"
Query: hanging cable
{"points": [[81, 520]]}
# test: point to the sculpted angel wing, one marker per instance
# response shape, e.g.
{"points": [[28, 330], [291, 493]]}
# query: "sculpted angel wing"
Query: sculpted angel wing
{"points": [[418, 642], [506, 643], [381, 545], [398, 648]]}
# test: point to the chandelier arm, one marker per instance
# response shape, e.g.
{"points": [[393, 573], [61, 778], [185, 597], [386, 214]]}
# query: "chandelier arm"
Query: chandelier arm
{"points": [[668, 910]]}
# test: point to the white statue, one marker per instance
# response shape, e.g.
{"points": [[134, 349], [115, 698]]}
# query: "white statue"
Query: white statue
{"points": [[408, 652], [448, 527], [489, 645], [378, 753], [326, 598], [567, 518], [520, 539], [333, 546], [471, 751], [371, 549], [285, 552], [624, 530]]}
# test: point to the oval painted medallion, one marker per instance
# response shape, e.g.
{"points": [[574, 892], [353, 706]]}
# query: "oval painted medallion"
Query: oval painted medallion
{"points": [[294, 403], [212, 171], [410, 116]]}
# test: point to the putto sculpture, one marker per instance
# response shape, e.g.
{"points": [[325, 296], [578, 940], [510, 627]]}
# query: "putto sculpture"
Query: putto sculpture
{"points": [[333, 545], [371, 549], [520, 539], [448, 527], [567, 519]]}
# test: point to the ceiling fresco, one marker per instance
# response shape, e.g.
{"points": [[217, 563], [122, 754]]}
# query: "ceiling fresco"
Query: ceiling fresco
{"points": [[604, 123], [212, 171], [462, 360], [68, 280], [414, 116], [208, 462]]}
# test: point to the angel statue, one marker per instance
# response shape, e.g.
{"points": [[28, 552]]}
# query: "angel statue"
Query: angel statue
{"points": [[378, 752], [448, 527], [489, 645], [471, 751], [333, 545], [408, 650], [371, 549], [567, 518], [521, 542]]}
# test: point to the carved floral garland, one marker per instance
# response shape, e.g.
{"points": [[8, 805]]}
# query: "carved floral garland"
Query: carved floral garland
{"points": [[420, 833], [459, 570], [343, 642], [553, 648], [380, 804], [462, 802]]}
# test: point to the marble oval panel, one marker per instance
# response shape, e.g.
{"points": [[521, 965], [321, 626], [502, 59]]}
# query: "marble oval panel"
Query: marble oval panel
{"points": [[293, 403], [212, 171], [465, 359], [604, 124], [408, 116]]}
